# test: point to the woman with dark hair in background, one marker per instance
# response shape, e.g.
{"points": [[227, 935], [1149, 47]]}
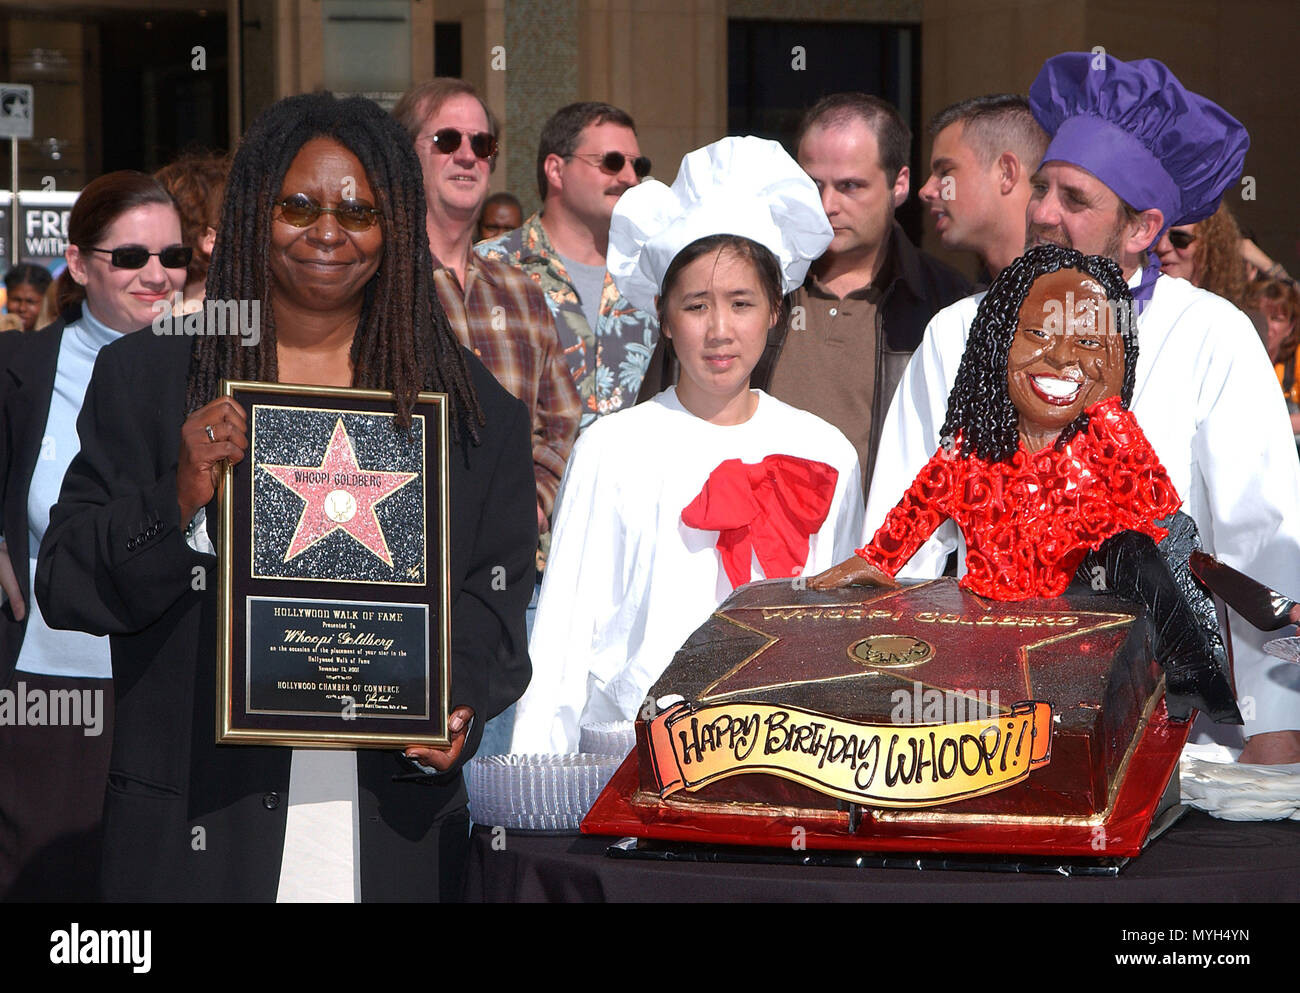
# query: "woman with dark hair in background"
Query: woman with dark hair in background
{"points": [[666, 507], [25, 286], [323, 228], [1207, 254], [197, 182], [124, 255]]}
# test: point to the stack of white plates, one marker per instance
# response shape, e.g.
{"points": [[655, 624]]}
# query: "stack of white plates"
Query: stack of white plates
{"points": [[615, 738], [536, 792]]}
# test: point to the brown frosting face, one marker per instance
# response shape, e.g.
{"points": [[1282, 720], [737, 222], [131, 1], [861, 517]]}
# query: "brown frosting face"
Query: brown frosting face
{"points": [[1067, 355]]}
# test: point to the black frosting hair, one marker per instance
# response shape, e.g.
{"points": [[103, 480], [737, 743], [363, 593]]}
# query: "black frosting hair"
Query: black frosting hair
{"points": [[403, 340], [980, 407]]}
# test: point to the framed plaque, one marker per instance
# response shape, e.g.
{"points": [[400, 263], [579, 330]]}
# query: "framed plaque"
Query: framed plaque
{"points": [[334, 618]]}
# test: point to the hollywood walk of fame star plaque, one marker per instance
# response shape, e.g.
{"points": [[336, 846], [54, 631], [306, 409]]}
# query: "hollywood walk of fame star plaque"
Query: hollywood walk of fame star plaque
{"points": [[334, 612]]}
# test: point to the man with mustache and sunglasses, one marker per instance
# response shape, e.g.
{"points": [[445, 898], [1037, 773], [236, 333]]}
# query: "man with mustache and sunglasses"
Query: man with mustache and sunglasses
{"points": [[1131, 153], [496, 310], [587, 157]]}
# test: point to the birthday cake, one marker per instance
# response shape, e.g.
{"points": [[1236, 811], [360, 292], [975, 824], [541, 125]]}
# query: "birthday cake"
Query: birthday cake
{"points": [[842, 713], [921, 718]]}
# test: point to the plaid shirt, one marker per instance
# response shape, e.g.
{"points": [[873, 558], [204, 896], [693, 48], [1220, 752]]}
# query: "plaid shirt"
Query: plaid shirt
{"points": [[501, 316]]}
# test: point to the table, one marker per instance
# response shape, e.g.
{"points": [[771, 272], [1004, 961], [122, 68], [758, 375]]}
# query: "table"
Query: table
{"points": [[1197, 859]]}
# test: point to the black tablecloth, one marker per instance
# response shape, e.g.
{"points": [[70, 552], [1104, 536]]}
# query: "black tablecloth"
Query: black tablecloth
{"points": [[1197, 859]]}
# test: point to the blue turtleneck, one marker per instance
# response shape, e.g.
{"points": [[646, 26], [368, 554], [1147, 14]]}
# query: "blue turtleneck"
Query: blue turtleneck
{"points": [[45, 650]]}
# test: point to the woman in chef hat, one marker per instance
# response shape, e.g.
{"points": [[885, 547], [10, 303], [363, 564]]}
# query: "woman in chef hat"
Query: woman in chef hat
{"points": [[667, 507]]}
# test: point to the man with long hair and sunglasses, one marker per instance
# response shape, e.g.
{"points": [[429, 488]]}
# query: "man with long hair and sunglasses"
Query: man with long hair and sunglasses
{"points": [[497, 311], [587, 157]]}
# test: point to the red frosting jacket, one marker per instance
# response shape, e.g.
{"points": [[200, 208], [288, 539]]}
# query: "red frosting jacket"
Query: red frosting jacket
{"points": [[1029, 522]]}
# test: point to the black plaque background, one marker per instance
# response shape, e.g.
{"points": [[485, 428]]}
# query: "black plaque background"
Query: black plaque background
{"points": [[412, 689], [243, 585]]}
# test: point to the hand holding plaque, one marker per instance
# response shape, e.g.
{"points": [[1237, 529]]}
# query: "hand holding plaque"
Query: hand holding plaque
{"points": [[443, 759], [212, 437]]}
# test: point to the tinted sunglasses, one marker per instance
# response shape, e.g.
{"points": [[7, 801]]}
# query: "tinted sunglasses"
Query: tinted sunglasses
{"points": [[1181, 239], [613, 162], [481, 143], [300, 210], [137, 256]]}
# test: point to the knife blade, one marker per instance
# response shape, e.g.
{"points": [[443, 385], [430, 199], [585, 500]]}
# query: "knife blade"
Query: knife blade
{"points": [[1265, 608]]}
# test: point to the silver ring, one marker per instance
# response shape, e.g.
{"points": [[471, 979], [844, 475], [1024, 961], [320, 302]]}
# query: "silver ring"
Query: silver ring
{"points": [[208, 429]]}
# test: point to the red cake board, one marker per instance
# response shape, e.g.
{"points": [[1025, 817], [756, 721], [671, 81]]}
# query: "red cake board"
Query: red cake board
{"points": [[622, 810]]}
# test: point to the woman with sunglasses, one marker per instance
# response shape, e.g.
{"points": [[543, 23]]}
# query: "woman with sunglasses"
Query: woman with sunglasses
{"points": [[124, 257], [323, 223], [670, 505], [1207, 254]]}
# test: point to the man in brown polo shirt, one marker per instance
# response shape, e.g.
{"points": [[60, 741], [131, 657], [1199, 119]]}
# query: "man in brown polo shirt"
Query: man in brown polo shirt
{"points": [[863, 308]]}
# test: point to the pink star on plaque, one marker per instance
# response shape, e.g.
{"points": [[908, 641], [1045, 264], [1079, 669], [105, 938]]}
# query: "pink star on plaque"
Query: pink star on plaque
{"points": [[339, 495]]}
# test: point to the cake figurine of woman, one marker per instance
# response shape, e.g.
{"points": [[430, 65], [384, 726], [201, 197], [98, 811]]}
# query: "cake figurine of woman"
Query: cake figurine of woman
{"points": [[1043, 466], [669, 505]]}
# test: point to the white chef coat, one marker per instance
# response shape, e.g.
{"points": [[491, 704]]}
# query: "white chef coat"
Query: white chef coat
{"points": [[627, 582], [1207, 399]]}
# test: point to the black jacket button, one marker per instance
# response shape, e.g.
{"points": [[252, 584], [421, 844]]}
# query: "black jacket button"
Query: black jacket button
{"points": [[270, 800]]}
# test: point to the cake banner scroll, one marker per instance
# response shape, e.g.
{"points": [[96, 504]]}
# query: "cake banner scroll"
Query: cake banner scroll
{"points": [[883, 765]]}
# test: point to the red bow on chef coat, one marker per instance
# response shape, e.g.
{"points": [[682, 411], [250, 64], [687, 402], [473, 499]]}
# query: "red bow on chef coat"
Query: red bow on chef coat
{"points": [[769, 510]]}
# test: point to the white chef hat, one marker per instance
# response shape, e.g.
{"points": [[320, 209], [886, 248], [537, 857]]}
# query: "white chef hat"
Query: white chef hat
{"points": [[743, 186]]}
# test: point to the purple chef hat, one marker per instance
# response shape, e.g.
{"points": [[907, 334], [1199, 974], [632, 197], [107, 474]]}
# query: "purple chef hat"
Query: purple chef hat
{"points": [[1136, 128]]}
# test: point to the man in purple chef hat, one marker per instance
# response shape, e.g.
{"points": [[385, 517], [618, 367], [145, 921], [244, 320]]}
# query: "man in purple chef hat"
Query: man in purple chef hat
{"points": [[1133, 152]]}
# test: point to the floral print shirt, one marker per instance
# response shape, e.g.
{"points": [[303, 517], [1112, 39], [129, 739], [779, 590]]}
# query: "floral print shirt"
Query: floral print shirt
{"points": [[607, 362]]}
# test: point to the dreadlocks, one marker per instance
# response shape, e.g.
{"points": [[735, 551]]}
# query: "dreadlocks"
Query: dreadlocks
{"points": [[403, 340], [980, 407]]}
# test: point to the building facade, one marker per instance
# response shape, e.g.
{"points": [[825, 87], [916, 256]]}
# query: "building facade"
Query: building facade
{"points": [[129, 83]]}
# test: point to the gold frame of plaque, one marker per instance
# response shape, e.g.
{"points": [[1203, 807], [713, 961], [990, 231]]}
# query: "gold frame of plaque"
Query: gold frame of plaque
{"points": [[256, 582]]}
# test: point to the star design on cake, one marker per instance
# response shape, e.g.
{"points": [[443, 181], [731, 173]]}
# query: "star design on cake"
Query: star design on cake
{"points": [[339, 495], [872, 641]]}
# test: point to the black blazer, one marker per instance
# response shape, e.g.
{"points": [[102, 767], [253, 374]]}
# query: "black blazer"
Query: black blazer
{"points": [[115, 561], [27, 366]]}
